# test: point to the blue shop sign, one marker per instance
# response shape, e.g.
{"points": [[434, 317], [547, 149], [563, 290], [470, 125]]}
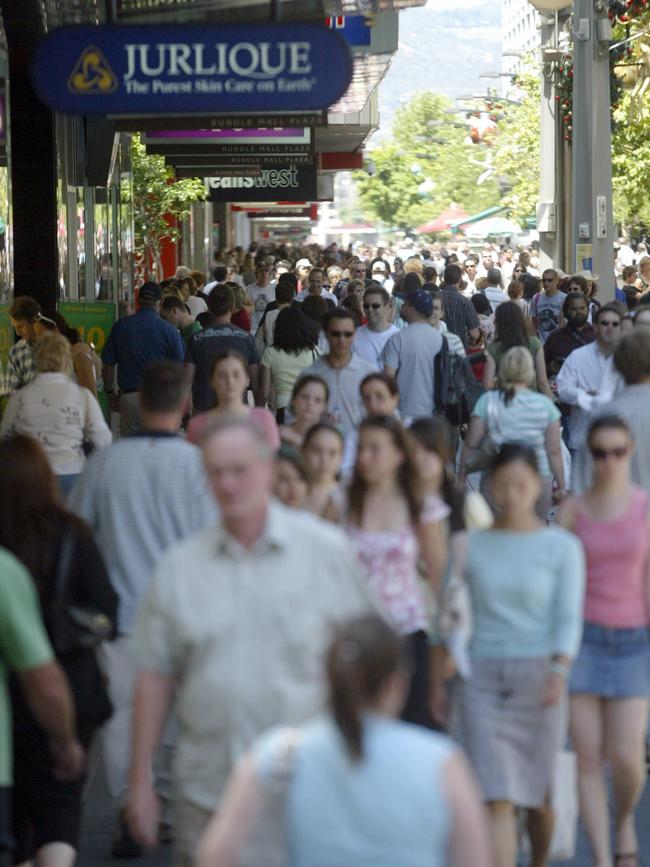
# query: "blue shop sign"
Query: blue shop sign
{"points": [[192, 69]]}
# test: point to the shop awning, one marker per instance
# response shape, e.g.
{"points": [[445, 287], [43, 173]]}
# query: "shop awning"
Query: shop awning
{"points": [[482, 215]]}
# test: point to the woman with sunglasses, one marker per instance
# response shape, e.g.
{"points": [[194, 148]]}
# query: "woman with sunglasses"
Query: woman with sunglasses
{"points": [[610, 681]]}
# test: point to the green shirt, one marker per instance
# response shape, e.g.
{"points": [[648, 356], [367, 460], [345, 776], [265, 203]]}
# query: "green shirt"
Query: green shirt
{"points": [[23, 642], [188, 330], [496, 350]]}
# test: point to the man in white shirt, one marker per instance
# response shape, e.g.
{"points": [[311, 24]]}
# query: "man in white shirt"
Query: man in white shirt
{"points": [[370, 339], [588, 377], [219, 635], [315, 286], [470, 266], [260, 293], [493, 291]]}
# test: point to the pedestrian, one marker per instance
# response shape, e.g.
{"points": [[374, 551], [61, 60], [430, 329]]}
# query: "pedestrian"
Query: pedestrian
{"points": [[86, 364], [409, 357], [342, 370], [588, 378], [134, 342], [362, 786], [510, 330], [243, 308], [610, 680], [64, 417], [460, 314], [218, 337], [516, 413], [292, 483], [279, 626], [20, 366], [260, 293], [632, 403], [546, 306], [494, 289], [526, 633], [59, 551], [140, 496], [293, 349], [454, 343], [576, 333], [308, 405], [316, 286], [391, 526], [285, 293], [26, 651], [230, 380], [176, 312], [322, 450]]}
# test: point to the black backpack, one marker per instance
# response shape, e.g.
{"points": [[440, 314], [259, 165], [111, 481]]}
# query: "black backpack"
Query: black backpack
{"points": [[456, 387]]}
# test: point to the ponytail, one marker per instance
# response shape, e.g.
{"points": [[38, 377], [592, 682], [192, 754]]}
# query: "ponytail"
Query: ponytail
{"points": [[365, 653]]}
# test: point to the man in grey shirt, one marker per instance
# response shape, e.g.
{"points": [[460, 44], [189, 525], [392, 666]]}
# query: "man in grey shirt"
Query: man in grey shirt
{"points": [[343, 370], [140, 495], [409, 357], [240, 639]]}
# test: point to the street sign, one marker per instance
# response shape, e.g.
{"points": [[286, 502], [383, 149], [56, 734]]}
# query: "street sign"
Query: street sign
{"points": [[289, 183], [222, 147], [212, 69], [92, 319]]}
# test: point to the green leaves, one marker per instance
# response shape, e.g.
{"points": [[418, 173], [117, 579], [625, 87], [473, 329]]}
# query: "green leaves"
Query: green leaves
{"points": [[157, 197]]}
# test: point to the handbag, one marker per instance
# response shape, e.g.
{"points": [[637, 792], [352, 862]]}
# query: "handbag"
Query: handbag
{"points": [[73, 627], [482, 459]]}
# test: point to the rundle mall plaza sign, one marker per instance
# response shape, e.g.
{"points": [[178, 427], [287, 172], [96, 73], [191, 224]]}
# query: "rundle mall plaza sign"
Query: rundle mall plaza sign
{"points": [[191, 70]]}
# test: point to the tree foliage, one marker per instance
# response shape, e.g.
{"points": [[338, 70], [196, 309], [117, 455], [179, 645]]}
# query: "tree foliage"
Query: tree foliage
{"points": [[425, 166], [157, 197]]}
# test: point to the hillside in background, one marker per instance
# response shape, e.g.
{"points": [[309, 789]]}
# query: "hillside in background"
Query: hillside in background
{"points": [[444, 47]]}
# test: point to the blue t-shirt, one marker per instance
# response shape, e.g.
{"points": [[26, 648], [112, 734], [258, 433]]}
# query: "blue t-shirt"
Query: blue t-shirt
{"points": [[201, 351], [388, 810], [137, 340]]}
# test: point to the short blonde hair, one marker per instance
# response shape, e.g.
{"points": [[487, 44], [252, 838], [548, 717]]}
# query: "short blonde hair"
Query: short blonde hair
{"points": [[414, 265], [52, 353], [516, 367]]}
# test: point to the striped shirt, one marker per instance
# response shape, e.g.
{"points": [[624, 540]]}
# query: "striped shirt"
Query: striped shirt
{"points": [[525, 419], [20, 366], [141, 495], [460, 315]]}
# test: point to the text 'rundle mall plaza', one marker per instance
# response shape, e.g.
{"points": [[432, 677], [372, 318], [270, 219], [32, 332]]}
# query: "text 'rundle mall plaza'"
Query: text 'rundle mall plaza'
{"points": [[266, 101]]}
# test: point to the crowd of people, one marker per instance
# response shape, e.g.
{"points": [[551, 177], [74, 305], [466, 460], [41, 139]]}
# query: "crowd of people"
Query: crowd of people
{"points": [[359, 546]]}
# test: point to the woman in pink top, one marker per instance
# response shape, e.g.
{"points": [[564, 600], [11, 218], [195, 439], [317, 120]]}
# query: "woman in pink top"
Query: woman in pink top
{"points": [[610, 680], [230, 379]]}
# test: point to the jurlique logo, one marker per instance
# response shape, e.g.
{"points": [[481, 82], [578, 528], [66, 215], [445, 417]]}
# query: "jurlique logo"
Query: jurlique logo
{"points": [[261, 60]]}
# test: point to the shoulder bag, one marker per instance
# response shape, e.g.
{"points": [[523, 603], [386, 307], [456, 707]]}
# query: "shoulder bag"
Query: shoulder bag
{"points": [[73, 627], [482, 458]]}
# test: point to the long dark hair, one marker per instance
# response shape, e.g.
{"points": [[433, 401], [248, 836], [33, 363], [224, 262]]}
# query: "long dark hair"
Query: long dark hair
{"points": [[31, 512], [510, 325], [361, 659], [292, 331], [436, 435], [407, 474]]}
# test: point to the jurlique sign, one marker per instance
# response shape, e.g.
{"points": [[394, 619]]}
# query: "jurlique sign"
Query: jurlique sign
{"points": [[211, 69]]}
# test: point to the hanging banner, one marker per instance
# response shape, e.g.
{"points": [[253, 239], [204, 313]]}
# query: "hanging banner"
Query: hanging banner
{"points": [[164, 69]]}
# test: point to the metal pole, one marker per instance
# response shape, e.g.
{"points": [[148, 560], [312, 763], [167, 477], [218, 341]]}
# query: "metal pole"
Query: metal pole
{"points": [[549, 210], [593, 230]]}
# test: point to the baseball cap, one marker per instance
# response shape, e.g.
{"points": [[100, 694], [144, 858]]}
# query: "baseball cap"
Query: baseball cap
{"points": [[150, 292], [421, 301]]}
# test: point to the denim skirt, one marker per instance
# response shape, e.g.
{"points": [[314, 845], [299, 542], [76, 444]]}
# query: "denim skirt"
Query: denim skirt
{"points": [[612, 663]]}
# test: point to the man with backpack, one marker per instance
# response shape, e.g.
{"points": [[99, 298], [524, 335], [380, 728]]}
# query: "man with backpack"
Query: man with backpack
{"points": [[409, 357]]}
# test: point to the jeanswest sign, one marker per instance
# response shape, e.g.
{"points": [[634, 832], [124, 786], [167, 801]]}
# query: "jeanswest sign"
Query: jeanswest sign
{"points": [[211, 69], [293, 183]]}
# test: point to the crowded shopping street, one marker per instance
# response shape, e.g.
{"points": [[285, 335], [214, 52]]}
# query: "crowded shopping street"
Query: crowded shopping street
{"points": [[324, 413]]}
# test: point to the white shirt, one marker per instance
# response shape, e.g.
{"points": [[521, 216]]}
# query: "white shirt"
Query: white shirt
{"points": [[495, 296], [196, 305], [369, 344], [228, 633], [61, 415], [586, 370], [454, 342], [260, 296]]}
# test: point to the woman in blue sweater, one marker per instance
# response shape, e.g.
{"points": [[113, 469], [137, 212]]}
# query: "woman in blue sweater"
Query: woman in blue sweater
{"points": [[526, 583], [356, 786]]}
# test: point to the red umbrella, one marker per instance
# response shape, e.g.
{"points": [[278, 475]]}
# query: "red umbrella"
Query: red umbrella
{"points": [[442, 221]]}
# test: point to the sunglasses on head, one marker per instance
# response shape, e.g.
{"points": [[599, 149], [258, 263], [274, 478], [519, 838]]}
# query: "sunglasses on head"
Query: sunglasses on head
{"points": [[340, 334], [602, 454], [372, 306]]}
